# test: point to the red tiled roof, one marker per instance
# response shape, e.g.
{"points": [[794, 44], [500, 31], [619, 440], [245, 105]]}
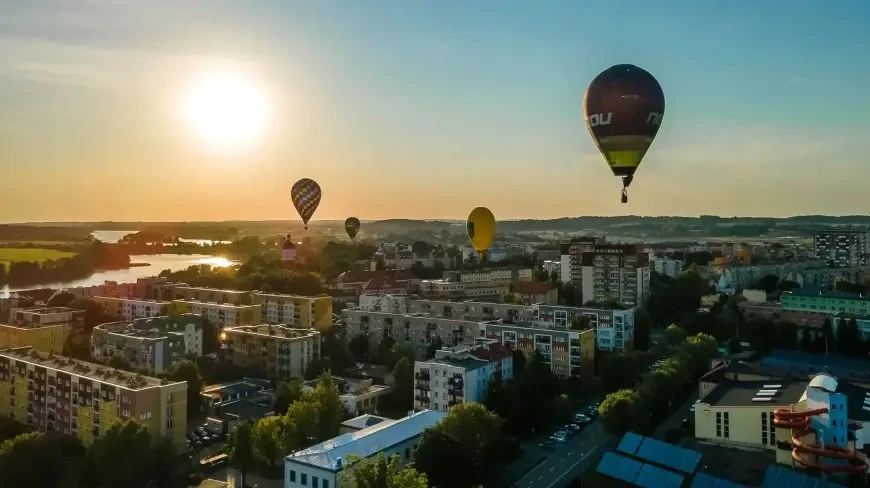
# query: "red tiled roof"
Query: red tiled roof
{"points": [[381, 281], [532, 287], [493, 352], [364, 276]]}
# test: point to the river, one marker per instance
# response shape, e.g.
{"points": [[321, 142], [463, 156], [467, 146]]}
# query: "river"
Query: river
{"points": [[156, 264]]}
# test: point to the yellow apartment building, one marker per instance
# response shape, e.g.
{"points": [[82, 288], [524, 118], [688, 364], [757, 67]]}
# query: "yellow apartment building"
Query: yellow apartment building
{"points": [[45, 329], [184, 292], [296, 310], [60, 394]]}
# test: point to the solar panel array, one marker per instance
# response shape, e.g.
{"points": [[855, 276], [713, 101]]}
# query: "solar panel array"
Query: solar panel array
{"points": [[619, 467], [668, 455], [629, 443], [704, 480], [780, 477], [653, 477]]}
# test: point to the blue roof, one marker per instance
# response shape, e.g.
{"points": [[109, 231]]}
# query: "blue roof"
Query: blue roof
{"points": [[780, 477], [629, 443], [668, 455], [619, 467], [653, 477], [704, 480]]}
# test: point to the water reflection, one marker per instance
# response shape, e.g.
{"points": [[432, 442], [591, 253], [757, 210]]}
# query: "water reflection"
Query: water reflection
{"points": [[215, 261]]}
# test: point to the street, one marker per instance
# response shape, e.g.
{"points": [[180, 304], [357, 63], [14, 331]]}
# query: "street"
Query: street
{"points": [[567, 460]]}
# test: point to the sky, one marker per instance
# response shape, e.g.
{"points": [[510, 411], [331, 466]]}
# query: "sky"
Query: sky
{"points": [[426, 109]]}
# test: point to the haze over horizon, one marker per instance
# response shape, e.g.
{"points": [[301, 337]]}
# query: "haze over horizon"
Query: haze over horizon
{"points": [[424, 110]]}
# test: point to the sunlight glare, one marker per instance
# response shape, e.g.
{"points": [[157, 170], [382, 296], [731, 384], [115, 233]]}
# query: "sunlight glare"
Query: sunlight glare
{"points": [[216, 262], [227, 110]]}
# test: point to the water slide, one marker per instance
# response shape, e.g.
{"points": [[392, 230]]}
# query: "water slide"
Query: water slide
{"points": [[799, 423]]}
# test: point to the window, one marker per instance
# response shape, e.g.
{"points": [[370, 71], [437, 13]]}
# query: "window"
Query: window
{"points": [[315, 482], [292, 476], [303, 479], [325, 483], [407, 453]]}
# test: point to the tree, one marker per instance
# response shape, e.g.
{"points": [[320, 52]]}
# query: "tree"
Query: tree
{"points": [[618, 370], [61, 299], [359, 348], [455, 451], [384, 352], [302, 427], [122, 456], [827, 333], [675, 334], [624, 411], [93, 315], [434, 346], [330, 409], [734, 346], [642, 326], [508, 298], [36, 460], [848, 336], [287, 393], [580, 323], [119, 361], [267, 439], [807, 344], [241, 450], [569, 295], [380, 473], [188, 371], [403, 388]]}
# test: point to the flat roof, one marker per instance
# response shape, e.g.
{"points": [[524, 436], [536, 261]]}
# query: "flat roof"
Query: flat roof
{"points": [[466, 362], [741, 393], [92, 371], [130, 299], [47, 310], [247, 409], [273, 330], [212, 304], [240, 386], [365, 442], [365, 420]]}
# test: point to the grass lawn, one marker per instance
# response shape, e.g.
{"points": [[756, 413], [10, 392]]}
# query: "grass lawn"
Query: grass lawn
{"points": [[9, 255]]}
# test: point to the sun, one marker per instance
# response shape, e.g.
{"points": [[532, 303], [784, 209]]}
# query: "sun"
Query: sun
{"points": [[226, 110]]}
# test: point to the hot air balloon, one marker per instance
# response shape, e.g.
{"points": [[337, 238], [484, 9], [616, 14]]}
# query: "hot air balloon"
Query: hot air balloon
{"points": [[351, 225], [306, 197], [624, 106], [481, 229]]}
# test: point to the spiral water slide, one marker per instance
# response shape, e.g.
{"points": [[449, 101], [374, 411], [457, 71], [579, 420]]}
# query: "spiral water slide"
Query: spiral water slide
{"points": [[799, 423]]}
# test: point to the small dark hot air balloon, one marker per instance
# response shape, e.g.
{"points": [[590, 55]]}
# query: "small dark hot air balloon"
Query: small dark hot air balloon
{"points": [[305, 195], [351, 225], [624, 106]]}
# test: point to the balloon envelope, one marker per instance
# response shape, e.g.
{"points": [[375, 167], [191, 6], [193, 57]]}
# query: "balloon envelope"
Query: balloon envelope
{"points": [[624, 106], [481, 228], [351, 225], [305, 195]]}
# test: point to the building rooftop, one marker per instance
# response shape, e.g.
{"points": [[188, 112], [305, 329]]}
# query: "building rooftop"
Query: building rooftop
{"points": [[333, 453], [132, 299], [365, 420], [756, 393], [249, 385], [465, 361], [349, 386], [273, 330], [213, 290], [97, 372], [284, 295], [212, 304], [48, 310], [251, 408]]}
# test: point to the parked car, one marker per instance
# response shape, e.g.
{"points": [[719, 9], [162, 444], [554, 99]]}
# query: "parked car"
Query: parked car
{"points": [[572, 427], [557, 438]]}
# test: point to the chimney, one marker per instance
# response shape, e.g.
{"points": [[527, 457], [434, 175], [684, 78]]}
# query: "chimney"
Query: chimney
{"points": [[338, 463]]}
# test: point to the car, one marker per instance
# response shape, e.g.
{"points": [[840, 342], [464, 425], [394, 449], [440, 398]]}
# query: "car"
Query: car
{"points": [[197, 444], [562, 433], [572, 427], [556, 438], [547, 444], [582, 418]]}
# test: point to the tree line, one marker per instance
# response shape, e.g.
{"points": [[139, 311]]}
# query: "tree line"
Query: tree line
{"points": [[88, 258]]}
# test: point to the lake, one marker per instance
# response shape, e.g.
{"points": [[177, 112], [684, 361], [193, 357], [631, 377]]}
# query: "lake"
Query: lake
{"points": [[157, 263]]}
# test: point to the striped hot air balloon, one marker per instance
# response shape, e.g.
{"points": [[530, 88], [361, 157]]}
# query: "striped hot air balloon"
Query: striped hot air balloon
{"points": [[305, 195]]}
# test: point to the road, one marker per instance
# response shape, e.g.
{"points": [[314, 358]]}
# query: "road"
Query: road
{"points": [[567, 460]]}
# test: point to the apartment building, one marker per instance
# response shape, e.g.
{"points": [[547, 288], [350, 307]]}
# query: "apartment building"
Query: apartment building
{"points": [[209, 295], [667, 267], [460, 374], [295, 310], [571, 252], [614, 329], [829, 303], [155, 343], [615, 272], [358, 396], [567, 352], [320, 465], [841, 248], [60, 394], [278, 351], [44, 329], [133, 308], [222, 315]]}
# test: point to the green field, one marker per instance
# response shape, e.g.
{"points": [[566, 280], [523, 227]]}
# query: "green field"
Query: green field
{"points": [[10, 254]]}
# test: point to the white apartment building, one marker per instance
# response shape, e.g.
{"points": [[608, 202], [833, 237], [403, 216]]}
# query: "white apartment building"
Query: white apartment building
{"points": [[222, 314], [493, 277], [132, 308], [320, 465], [667, 267], [571, 253], [358, 396], [460, 374], [384, 303]]}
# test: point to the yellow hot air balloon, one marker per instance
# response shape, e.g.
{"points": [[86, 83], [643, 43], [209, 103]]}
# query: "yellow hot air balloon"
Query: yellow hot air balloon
{"points": [[481, 229]]}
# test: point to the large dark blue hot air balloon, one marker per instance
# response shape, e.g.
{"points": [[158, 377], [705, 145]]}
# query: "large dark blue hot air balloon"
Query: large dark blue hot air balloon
{"points": [[624, 106]]}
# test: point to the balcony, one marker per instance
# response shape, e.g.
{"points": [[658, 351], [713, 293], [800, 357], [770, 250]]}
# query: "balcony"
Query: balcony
{"points": [[422, 375], [422, 385]]}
